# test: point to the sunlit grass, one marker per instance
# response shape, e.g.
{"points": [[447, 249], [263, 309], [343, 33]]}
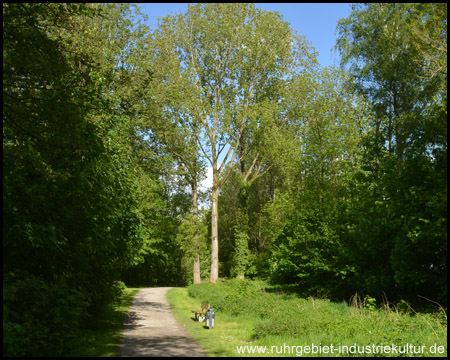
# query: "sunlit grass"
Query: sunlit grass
{"points": [[218, 341], [286, 325]]}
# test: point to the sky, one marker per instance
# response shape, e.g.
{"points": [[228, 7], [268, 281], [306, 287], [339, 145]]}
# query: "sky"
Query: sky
{"points": [[316, 21]]}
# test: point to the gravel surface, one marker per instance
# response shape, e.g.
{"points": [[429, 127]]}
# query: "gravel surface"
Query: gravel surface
{"points": [[150, 329]]}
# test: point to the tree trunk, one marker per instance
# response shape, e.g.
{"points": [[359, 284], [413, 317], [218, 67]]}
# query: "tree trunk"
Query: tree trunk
{"points": [[214, 228], [197, 279]]}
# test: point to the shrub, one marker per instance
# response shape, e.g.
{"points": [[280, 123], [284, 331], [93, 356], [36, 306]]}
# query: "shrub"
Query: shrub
{"points": [[40, 317]]}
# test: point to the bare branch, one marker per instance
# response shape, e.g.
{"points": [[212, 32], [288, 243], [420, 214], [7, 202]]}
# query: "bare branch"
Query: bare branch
{"points": [[251, 167]]}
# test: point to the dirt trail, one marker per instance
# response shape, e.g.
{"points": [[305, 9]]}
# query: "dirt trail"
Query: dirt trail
{"points": [[150, 329]]}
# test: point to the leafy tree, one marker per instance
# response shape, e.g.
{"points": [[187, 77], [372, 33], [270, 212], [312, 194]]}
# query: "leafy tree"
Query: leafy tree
{"points": [[192, 238], [126, 78], [231, 58], [71, 220], [310, 216], [396, 54], [173, 127]]}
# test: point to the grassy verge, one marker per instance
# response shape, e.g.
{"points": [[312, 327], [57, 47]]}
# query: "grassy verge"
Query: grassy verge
{"points": [[220, 340], [104, 334], [253, 322]]}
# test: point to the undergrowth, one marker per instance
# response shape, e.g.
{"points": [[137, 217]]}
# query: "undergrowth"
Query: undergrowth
{"points": [[313, 320]]}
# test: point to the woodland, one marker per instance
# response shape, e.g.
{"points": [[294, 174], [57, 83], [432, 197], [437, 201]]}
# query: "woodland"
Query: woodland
{"points": [[328, 181]]}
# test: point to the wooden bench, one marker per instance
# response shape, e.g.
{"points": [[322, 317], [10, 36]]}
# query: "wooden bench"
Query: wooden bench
{"points": [[197, 313]]}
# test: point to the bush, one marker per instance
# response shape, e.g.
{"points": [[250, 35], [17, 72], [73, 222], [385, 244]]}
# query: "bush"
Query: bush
{"points": [[232, 296], [304, 254], [40, 317]]}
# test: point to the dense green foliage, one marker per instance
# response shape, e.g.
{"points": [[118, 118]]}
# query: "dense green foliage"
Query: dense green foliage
{"points": [[330, 181], [356, 200], [405, 238], [74, 215]]}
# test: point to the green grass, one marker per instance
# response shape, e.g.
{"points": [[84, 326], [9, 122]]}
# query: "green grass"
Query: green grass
{"points": [[218, 341], [247, 315], [105, 332]]}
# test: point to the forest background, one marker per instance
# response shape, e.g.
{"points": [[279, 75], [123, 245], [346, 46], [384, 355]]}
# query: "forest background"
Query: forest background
{"points": [[326, 180]]}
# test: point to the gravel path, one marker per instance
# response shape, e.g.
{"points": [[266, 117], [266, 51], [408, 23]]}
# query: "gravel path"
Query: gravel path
{"points": [[150, 329]]}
